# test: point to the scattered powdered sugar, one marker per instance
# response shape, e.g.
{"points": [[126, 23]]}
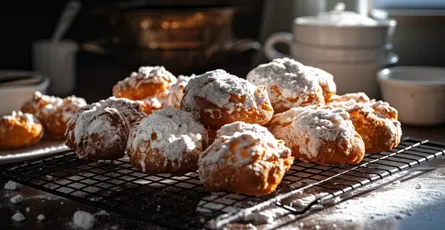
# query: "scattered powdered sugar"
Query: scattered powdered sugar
{"points": [[102, 213], [171, 131], [12, 185], [397, 201], [246, 145], [16, 199], [147, 74], [41, 217], [217, 87], [28, 209], [84, 219], [266, 216], [294, 82], [18, 216], [313, 124], [176, 93]]}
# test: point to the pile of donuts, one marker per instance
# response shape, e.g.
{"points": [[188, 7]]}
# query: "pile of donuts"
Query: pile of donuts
{"points": [[41, 116], [242, 135]]}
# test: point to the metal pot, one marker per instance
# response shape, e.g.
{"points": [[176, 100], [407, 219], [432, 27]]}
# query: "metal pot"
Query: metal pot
{"points": [[180, 39], [177, 60], [172, 28]]}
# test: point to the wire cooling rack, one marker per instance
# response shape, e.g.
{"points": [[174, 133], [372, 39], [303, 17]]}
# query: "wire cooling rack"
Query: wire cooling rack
{"points": [[183, 202]]}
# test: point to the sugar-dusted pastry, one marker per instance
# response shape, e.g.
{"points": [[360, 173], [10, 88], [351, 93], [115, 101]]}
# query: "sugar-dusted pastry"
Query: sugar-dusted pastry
{"points": [[245, 158], [324, 136], [326, 81], [375, 121], [149, 105], [149, 81], [217, 98], [167, 141], [19, 130], [53, 112], [176, 93], [38, 101], [100, 131], [354, 97], [289, 84]]}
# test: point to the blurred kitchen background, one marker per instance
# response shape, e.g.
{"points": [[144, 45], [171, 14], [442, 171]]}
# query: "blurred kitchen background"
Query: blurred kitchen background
{"points": [[228, 36], [418, 39]]}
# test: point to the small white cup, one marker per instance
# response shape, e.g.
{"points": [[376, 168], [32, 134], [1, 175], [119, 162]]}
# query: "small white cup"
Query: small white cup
{"points": [[58, 62]]}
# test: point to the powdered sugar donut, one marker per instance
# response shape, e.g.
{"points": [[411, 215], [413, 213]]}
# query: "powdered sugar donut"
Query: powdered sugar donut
{"points": [[326, 81], [149, 81], [176, 94], [319, 135], [289, 84], [19, 130], [167, 141], [217, 98], [375, 121], [98, 132], [53, 112], [245, 158]]}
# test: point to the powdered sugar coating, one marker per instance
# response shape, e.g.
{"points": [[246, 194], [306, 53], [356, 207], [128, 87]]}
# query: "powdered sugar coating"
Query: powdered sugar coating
{"points": [[129, 109], [217, 87], [169, 131], [240, 144], [353, 97], [375, 121], [295, 85], [38, 101], [61, 111], [27, 118], [326, 81], [96, 131], [19, 129], [310, 127], [176, 93], [147, 74], [241, 127]]}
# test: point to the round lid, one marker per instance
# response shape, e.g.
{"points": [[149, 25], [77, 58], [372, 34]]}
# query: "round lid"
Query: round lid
{"points": [[339, 17]]}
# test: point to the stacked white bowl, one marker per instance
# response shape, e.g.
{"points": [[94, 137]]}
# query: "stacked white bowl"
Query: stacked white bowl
{"points": [[350, 46]]}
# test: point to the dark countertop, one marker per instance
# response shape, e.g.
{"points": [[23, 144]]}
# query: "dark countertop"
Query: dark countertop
{"points": [[96, 77]]}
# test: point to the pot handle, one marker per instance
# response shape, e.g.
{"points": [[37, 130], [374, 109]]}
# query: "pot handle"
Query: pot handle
{"points": [[278, 37], [236, 46]]}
